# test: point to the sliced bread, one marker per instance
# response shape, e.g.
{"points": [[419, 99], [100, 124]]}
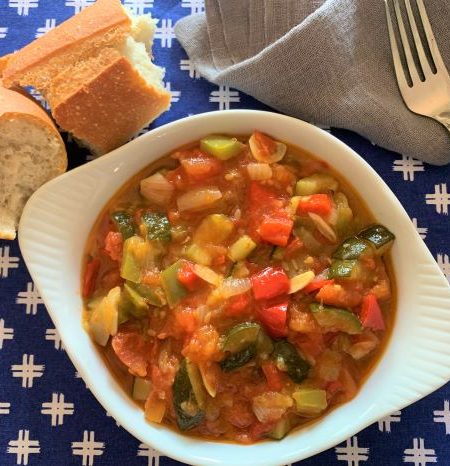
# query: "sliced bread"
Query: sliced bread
{"points": [[96, 74], [31, 153]]}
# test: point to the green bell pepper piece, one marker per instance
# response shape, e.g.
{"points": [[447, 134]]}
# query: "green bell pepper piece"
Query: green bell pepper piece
{"points": [[174, 290]]}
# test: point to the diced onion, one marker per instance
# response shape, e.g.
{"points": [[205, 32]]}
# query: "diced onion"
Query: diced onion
{"points": [[157, 189], [207, 274], [260, 156], [323, 227], [259, 171], [198, 199], [235, 286], [270, 406]]}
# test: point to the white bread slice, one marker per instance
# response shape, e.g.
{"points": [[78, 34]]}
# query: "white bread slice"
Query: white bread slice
{"points": [[31, 153], [95, 72]]}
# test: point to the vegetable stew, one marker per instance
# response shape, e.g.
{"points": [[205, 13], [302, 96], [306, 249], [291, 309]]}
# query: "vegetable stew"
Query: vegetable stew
{"points": [[238, 288]]}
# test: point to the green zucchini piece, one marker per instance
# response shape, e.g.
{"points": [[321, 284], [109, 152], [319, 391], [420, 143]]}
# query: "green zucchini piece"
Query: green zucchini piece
{"points": [[131, 267], [281, 429], [214, 229], [344, 215], [124, 224], [333, 319], [341, 268], [236, 360], [138, 306], [287, 359], [241, 248], [151, 295], [157, 226], [241, 336], [379, 236], [348, 269], [174, 290], [141, 388], [197, 383], [264, 344], [310, 401], [221, 147], [187, 408], [314, 184], [198, 254], [352, 248]]}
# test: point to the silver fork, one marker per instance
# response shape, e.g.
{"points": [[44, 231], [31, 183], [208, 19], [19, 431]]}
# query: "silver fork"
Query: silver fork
{"points": [[429, 96]]}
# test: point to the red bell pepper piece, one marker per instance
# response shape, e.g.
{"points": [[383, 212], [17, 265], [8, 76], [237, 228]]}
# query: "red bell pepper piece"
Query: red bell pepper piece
{"points": [[272, 375], [371, 315], [269, 283], [316, 285], [187, 277], [90, 277], [274, 319], [237, 305], [276, 230], [319, 204]]}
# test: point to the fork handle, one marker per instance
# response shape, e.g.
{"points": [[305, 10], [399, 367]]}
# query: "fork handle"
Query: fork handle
{"points": [[444, 119]]}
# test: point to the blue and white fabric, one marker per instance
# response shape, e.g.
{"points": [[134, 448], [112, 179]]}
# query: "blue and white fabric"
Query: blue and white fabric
{"points": [[47, 415]]}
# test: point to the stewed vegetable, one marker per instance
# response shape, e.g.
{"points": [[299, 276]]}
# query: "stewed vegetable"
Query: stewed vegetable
{"points": [[238, 288]]}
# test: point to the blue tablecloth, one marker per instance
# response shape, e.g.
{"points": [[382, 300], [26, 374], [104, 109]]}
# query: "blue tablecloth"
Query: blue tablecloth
{"points": [[48, 416]]}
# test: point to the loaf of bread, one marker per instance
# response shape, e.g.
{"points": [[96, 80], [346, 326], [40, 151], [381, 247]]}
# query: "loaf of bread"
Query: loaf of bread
{"points": [[95, 72], [31, 153]]}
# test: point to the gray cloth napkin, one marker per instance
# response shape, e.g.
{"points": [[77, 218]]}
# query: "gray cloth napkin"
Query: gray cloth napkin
{"points": [[324, 61]]}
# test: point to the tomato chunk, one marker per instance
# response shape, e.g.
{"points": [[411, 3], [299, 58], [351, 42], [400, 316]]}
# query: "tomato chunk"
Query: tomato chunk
{"points": [[187, 277], [237, 305], [273, 376], [371, 315], [132, 349], [276, 230], [269, 283], [319, 204], [113, 245], [90, 276], [265, 143], [274, 319], [201, 166]]}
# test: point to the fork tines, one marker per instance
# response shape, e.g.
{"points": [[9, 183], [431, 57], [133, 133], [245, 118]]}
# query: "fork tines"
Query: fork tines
{"points": [[414, 44]]}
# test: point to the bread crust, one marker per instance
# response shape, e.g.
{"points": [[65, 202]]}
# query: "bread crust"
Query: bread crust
{"points": [[122, 102], [16, 106], [105, 20]]}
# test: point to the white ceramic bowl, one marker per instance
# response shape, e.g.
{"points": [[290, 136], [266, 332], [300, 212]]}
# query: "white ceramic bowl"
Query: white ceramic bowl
{"points": [[52, 235]]}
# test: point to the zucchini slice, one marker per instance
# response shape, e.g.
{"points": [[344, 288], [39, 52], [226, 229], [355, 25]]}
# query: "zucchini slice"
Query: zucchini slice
{"points": [[309, 401], [241, 336], [351, 248], [237, 360], [287, 359], [187, 406], [141, 388], [124, 223], [379, 236], [333, 319], [281, 429]]}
